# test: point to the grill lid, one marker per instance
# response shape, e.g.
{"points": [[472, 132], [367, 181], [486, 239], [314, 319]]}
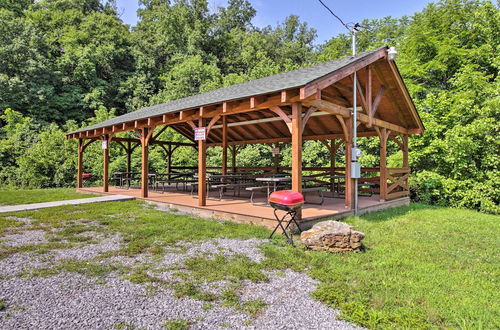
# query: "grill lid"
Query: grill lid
{"points": [[286, 197]]}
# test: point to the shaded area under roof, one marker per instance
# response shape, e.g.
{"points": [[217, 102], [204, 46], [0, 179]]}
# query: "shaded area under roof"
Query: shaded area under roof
{"points": [[266, 85]]}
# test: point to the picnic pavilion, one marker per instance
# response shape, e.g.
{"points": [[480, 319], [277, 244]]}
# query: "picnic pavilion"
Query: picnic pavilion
{"points": [[311, 103]]}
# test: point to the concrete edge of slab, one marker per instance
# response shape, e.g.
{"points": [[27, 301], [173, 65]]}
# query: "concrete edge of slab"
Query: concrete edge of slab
{"points": [[37, 206]]}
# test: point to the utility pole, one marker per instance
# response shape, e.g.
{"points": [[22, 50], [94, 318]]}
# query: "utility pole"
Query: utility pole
{"points": [[355, 165]]}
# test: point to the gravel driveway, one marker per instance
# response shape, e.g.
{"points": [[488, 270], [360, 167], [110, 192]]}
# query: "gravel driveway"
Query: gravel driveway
{"points": [[70, 299]]}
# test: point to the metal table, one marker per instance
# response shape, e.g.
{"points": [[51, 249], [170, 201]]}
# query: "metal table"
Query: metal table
{"points": [[274, 181]]}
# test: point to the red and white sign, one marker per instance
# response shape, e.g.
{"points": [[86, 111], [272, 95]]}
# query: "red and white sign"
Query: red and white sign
{"points": [[276, 151], [200, 133], [104, 144]]}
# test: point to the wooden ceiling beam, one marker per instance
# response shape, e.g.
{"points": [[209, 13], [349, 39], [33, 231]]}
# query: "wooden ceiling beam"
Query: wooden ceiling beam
{"points": [[340, 86], [329, 107], [335, 98], [321, 83], [117, 139], [288, 139], [364, 118]]}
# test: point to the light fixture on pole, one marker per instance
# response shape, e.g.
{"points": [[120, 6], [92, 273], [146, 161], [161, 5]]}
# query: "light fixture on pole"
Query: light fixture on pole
{"points": [[392, 53]]}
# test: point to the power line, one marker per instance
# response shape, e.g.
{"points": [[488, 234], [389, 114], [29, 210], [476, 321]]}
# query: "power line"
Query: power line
{"points": [[331, 12]]}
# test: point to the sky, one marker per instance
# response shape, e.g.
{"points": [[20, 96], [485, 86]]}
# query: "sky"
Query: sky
{"points": [[271, 12]]}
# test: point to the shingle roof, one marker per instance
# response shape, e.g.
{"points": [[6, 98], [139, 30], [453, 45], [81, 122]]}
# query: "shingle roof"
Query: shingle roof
{"points": [[270, 84]]}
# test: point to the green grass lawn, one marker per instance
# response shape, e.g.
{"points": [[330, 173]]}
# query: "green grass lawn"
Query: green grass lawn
{"points": [[16, 197], [423, 267]]}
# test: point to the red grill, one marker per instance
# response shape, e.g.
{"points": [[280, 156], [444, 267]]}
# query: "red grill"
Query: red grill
{"points": [[286, 200], [289, 201]]}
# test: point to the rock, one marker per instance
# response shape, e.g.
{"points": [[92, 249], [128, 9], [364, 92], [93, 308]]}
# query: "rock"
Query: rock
{"points": [[332, 236]]}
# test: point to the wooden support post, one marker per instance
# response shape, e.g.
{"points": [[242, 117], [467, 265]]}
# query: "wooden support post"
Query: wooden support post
{"points": [[383, 163], [105, 174], [224, 145], [79, 177], [144, 162], [202, 169], [405, 151], [276, 158], [368, 92], [169, 159], [296, 147], [129, 156], [233, 158], [333, 151], [349, 182]]}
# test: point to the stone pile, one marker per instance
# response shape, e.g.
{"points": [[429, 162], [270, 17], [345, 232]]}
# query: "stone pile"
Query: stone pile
{"points": [[333, 236]]}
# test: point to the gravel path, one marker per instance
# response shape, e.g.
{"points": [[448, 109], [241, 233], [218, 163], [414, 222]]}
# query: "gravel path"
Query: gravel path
{"points": [[74, 301]]}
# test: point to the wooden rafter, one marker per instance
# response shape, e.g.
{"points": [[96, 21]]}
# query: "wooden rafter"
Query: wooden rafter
{"points": [[329, 107], [361, 94], [406, 94], [319, 84]]}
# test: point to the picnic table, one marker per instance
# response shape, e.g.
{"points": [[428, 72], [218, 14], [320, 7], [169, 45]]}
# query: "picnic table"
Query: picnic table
{"points": [[222, 183], [122, 177], [274, 180], [173, 178], [335, 180]]}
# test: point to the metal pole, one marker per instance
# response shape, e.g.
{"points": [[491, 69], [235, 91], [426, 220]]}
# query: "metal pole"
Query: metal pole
{"points": [[354, 122]]}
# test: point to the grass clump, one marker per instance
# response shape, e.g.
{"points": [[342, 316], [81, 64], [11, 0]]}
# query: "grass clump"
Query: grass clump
{"points": [[82, 267], [2, 304], [177, 325], [140, 276], [254, 308], [29, 196], [7, 222], [41, 248], [219, 267], [214, 268], [189, 289], [124, 326]]}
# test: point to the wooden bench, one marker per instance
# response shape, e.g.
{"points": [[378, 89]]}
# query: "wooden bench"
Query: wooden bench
{"points": [[183, 182], [253, 190], [219, 186], [236, 187]]}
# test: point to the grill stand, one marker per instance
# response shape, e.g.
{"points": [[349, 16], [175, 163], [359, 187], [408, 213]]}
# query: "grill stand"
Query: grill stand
{"points": [[292, 214]]}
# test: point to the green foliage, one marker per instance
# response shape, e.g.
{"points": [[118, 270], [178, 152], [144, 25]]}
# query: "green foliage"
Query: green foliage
{"points": [[62, 59]]}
